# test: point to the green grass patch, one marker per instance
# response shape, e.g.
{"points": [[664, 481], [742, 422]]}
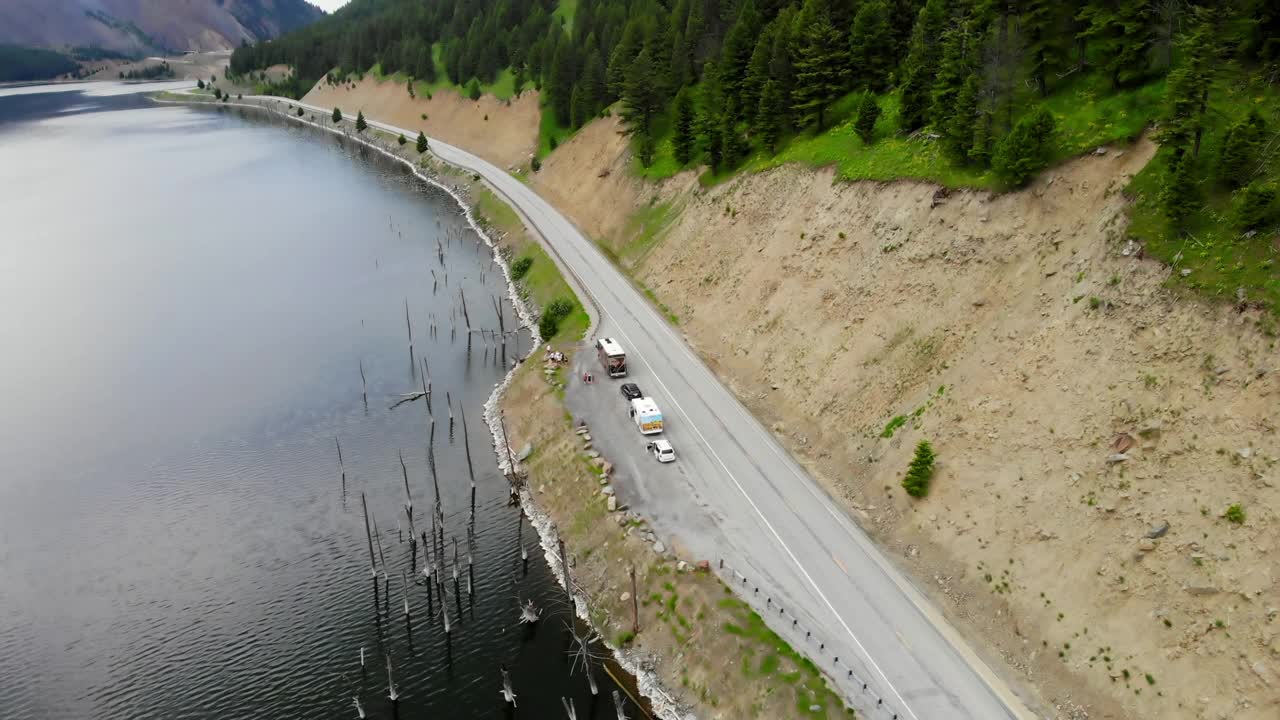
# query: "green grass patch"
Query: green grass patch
{"points": [[543, 282], [1220, 260], [502, 87], [548, 128], [1088, 113], [810, 687], [892, 426]]}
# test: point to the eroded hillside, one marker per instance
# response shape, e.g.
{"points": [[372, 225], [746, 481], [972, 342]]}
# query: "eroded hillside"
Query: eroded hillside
{"points": [[503, 133], [1076, 406]]}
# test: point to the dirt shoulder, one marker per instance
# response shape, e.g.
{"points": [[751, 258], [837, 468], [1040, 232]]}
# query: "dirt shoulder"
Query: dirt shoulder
{"points": [[503, 132]]}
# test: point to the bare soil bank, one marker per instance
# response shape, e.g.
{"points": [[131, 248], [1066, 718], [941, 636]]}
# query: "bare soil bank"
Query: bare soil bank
{"points": [[504, 134], [1076, 406], [1016, 334]]}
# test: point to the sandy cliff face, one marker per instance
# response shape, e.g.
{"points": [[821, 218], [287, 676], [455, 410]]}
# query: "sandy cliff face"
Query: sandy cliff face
{"points": [[1075, 404], [504, 134]]}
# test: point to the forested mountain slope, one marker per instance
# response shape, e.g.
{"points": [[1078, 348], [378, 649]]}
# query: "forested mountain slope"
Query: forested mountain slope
{"points": [[149, 26], [996, 90]]}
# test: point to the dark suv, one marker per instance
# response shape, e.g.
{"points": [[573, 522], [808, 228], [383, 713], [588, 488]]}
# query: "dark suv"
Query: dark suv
{"points": [[631, 391]]}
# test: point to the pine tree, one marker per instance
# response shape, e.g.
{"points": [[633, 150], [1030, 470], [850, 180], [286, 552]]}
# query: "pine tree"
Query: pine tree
{"points": [[402, 139], [579, 109], [199, 83], [1240, 145], [820, 62], [361, 125], [960, 120], [1121, 33], [1041, 20], [622, 56], [683, 140], [1187, 92], [560, 84], [868, 113], [758, 73], [710, 110], [871, 46], [921, 66], [1025, 150], [422, 142], [769, 117], [920, 471], [595, 94], [337, 115], [735, 57], [641, 101], [1179, 196], [735, 145]]}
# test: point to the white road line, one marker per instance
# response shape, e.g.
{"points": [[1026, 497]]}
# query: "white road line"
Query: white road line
{"points": [[768, 524]]}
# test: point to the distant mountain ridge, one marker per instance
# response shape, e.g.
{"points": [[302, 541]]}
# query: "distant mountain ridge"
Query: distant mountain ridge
{"points": [[150, 26]]}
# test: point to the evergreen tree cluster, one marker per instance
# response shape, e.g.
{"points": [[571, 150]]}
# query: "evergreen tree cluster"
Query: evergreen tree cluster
{"points": [[725, 76]]}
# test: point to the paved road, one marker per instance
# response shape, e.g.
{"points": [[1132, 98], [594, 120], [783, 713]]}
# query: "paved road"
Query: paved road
{"points": [[763, 514]]}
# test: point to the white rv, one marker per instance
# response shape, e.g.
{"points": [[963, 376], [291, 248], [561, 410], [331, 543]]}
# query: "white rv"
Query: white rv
{"points": [[647, 415], [612, 357]]}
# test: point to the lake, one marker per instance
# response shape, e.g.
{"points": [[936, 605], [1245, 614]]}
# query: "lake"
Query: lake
{"points": [[187, 300]]}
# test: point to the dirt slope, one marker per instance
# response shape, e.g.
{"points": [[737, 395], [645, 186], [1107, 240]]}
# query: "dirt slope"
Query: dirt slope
{"points": [[506, 135], [1030, 343]]}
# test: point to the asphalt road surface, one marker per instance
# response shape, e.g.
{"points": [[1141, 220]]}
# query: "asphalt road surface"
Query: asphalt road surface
{"points": [[735, 494]]}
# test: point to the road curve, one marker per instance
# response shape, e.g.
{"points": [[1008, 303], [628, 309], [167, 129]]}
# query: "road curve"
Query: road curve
{"points": [[855, 614]]}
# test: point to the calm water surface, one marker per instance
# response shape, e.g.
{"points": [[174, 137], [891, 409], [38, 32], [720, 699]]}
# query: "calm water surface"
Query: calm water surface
{"points": [[185, 299]]}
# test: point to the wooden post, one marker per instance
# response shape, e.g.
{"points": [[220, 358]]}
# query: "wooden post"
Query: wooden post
{"points": [[635, 604], [364, 386], [341, 467]]}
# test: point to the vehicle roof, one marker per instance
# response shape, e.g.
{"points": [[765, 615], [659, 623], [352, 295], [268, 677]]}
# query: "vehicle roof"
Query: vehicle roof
{"points": [[611, 346], [644, 405], [662, 444]]}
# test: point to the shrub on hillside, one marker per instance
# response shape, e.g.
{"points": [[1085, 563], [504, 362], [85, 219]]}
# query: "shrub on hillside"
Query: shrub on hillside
{"points": [[1257, 206], [920, 472], [868, 114], [1025, 150], [548, 326], [560, 308], [1240, 144], [520, 267], [473, 89], [402, 139], [535, 164]]}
